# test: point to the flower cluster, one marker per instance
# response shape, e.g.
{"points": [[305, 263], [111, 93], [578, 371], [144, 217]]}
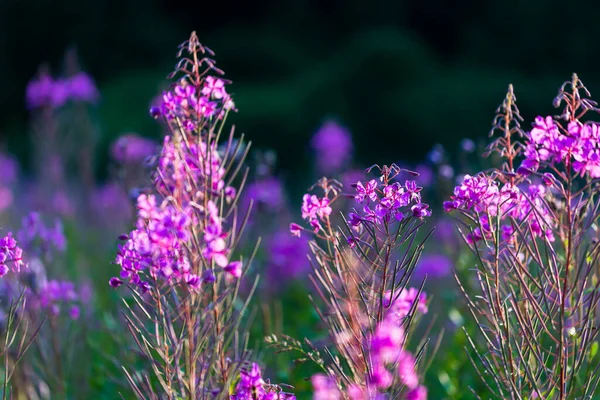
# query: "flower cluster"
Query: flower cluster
{"points": [[46, 91], [10, 254], [386, 202], [197, 163], [577, 146], [315, 210], [190, 177], [36, 237], [512, 204], [155, 246], [56, 293], [390, 362], [252, 386], [187, 103]]}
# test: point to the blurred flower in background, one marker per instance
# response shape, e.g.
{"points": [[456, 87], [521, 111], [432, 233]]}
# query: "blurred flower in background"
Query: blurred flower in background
{"points": [[287, 256], [132, 148], [9, 171], [43, 90], [433, 265], [333, 146]]}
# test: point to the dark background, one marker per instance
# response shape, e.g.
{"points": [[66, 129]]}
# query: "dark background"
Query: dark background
{"points": [[402, 75]]}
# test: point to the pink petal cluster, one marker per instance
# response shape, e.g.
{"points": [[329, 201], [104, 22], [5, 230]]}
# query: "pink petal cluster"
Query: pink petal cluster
{"points": [[315, 210], [384, 203], [190, 105], [390, 363], [549, 143], [484, 196], [10, 254]]}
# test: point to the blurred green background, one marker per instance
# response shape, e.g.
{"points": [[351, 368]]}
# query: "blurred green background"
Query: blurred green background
{"points": [[402, 75]]}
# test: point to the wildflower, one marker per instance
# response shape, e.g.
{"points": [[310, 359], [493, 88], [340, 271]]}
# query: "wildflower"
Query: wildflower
{"points": [[234, 269], [333, 146], [315, 209], [45, 91], [295, 229], [287, 256], [325, 388], [55, 293], [406, 370], [10, 253], [81, 87], [366, 191], [418, 393], [436, 265], [36, 236], [252, 386], [132, 148], [390, 206]]}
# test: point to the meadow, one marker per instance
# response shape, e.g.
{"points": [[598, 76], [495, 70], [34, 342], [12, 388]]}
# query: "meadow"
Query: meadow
{"points": [[191, 272]]}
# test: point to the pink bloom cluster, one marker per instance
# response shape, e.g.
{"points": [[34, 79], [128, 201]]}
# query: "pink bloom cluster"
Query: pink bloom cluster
{"points": [[157, 248], [188, 103], [390, 363], [252, 386], [384, 203], [46, 91], [315, 210], [191, 167], [10, 254], [578, 145], [484, 196]]}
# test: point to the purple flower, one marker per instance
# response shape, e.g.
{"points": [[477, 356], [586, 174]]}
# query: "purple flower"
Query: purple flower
{"points": [[325, 388], [315, 209], [295, 229], [56, 293], [267, 192], [418, 393], [132, 148], [333, 146], [10, 253], [112, 202], [435, 265], [81, 87], [35, 236], [234, 269], [41, 92], [366, 191], [252, 386], [287, 256], [406, 370]]}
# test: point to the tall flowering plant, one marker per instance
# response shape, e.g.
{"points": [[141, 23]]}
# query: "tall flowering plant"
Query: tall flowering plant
{"points": [[180, 260], [533, 223], [17, 332], [361, 275]]}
